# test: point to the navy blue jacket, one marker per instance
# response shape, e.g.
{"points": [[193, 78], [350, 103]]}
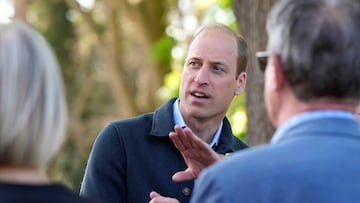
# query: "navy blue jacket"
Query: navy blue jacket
{"points": [[132, 157]]}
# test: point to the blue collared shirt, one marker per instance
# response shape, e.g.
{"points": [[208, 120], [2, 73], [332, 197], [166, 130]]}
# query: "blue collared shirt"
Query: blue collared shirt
{"points": [[179, 120], [308, 116]]}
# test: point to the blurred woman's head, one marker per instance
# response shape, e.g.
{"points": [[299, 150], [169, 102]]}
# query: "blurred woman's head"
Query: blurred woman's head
{"points": [[33, 112]]}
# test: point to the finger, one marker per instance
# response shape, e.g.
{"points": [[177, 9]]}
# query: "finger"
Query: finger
{"points": [[180, 139], [160, 199], [154, 194], [182, 176], [186, 140], [176, 138], [201, 151], [195, 141]]}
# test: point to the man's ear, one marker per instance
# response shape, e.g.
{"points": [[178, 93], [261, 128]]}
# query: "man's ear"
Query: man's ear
{"points": [[240, 83], [279, 77]]}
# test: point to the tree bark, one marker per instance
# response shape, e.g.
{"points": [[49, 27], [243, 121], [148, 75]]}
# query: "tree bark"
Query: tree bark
{"points": [[127, 35], [21, 8], [251, 19]]}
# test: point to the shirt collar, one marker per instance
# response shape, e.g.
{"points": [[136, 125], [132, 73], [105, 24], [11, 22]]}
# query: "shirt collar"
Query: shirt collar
{"points": [[179, 120], [308, 116]]}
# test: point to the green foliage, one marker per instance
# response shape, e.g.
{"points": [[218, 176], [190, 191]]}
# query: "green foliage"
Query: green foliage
{"points": [[49, 17], [237, 117], [161, 51], [99, 104], [171, 85], [59, 32], [69, 167], [225, 4]]}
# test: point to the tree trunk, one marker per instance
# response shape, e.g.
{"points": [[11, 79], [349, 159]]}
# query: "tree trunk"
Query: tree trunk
{"points": [[251, 19], [21, 8]]}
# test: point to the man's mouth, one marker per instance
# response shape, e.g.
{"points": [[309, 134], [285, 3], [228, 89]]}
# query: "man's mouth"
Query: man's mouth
{"points": [[199, 95]]}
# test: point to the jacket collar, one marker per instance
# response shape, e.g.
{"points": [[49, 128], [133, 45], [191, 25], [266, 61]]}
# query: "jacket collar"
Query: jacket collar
{"points": [[163, 120]]}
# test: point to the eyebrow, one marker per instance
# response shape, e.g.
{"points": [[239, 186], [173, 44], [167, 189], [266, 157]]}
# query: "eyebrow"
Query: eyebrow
{"points": [[210, 62], [218, 63]]}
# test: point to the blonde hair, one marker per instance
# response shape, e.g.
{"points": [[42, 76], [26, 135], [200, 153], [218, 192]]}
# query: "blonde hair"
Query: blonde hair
{"points": [[33, 112]]}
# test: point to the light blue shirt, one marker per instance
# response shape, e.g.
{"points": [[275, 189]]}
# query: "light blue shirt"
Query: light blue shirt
{"points": [[308, 116], [179, 120]]}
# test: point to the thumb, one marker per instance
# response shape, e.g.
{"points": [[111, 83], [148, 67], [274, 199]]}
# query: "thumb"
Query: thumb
{"points": [[182, 176], [154, 194]]}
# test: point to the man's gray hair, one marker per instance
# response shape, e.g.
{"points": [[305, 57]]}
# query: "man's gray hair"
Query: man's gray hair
{"points": [[318, 42]]}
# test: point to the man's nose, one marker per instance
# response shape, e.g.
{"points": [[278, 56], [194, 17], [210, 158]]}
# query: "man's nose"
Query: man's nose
{"points": [[202, 76]]}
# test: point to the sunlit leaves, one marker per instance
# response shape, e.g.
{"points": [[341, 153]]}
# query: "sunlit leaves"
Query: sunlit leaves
{"points": [[171, 85], [161, 51]]}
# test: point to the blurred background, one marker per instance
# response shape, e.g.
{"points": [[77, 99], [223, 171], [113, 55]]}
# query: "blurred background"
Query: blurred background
{"points": [[121, 58]]}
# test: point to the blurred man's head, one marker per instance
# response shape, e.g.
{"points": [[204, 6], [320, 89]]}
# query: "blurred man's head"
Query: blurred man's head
{"points": [[314, 49]]}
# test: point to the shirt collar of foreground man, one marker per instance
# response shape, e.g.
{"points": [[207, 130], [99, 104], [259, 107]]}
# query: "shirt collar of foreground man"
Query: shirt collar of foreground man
{"points": [[298, 120]]}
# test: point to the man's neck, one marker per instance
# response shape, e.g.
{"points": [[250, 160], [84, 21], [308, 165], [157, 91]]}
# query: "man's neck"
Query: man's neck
{"points": [[205, 129], [290, 109]]}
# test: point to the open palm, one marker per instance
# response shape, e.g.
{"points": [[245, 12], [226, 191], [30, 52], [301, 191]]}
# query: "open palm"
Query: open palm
{"points": [[196, 153]]}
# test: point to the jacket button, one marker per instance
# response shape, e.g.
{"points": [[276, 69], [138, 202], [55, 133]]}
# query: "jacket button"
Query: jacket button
{"points": [[186, 191]]}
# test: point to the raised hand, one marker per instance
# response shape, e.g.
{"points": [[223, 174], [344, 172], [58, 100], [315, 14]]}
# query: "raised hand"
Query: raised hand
{"points": [[197, 154]]}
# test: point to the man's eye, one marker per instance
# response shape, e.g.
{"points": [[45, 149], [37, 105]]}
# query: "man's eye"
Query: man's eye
{"points": [[217, 69], [193, 63]]}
